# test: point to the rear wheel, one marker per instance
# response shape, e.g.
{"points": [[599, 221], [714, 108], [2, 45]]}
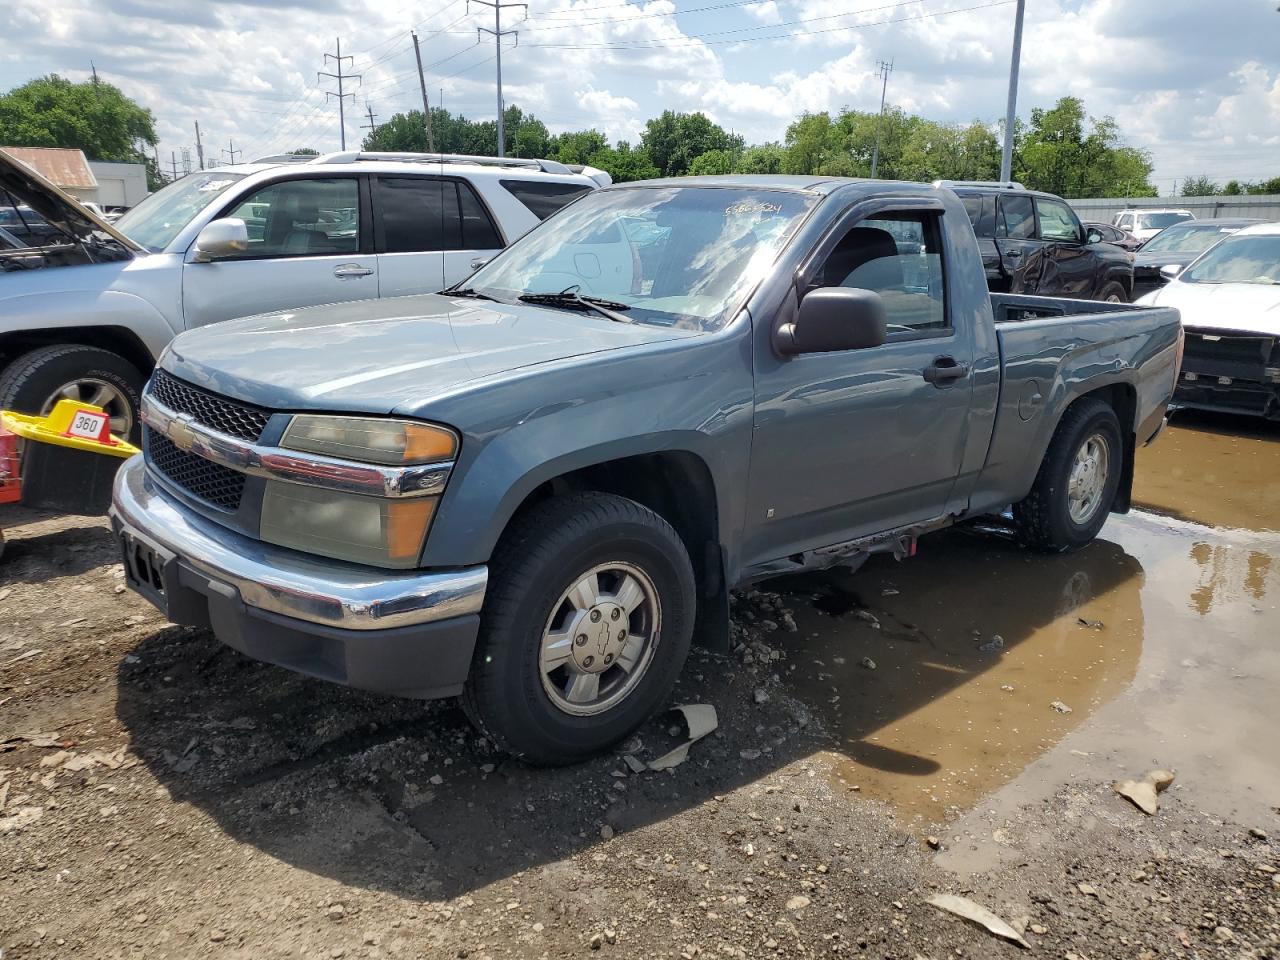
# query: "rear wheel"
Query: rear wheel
{"points": [[1077, 480], [585, 628], [36, 381], [1113, 292]]}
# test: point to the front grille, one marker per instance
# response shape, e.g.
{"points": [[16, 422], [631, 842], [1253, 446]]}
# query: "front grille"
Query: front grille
{"points": [[232, 417], [202, 478], [1239, 356]]}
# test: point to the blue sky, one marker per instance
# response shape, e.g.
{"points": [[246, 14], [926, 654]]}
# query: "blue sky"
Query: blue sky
{"points": [[1201, 92]]}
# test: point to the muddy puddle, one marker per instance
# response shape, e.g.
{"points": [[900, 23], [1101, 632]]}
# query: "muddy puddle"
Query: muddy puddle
{"points": [[986, 656]]}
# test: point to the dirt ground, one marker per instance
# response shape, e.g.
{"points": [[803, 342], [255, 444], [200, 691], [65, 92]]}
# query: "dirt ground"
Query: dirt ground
{"points": [[884, 736]]}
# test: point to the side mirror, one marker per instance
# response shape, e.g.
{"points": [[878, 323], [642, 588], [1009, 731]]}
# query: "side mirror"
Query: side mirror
{"points": [[1093, 235], [221, 238], [1170, 270], [834, 318]]}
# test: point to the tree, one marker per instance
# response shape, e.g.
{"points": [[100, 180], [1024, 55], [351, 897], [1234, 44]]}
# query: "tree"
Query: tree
{"points": [[305, 152], [579, 146], [625, 163], [673, 140], [712, 163], [1056, 154], [766, 158], [93, 116], [1200, 186]]}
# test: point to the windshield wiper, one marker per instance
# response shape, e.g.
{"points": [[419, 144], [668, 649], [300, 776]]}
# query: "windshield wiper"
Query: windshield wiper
{"points": [[471, 292], [572, 299]]}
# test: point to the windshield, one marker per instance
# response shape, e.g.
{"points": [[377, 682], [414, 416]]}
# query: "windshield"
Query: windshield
{"points": [[1194, 240], [673, 256], [1158, 221], [1237, 259], [160, 217]]}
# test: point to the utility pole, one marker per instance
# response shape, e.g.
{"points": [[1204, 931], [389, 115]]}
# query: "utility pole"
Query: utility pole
{"points": [[173, 163], [186, 160], [371, 126], [199, 146], [94, 70], [498, 33], [232, 151], [337, 58], [1006, 159], [882, 73], [426, 107]]}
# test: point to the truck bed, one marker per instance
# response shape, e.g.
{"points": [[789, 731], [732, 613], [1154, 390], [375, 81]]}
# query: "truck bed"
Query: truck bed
{"points": [[1055, 350]]}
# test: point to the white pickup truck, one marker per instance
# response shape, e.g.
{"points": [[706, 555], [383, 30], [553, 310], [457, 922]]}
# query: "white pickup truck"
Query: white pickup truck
{"points": [[85, 314]]}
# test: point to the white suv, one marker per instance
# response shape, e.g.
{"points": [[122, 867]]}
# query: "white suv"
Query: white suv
{"points": [[241, 240], [1145, 224]]}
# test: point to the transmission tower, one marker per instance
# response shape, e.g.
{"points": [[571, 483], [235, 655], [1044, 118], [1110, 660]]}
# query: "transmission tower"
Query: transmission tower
{"points": [[498, 33], [337, 58]]}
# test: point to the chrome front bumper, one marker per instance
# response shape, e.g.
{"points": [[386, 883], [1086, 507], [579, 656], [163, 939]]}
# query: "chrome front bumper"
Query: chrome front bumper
{"points": [[284, 582]]}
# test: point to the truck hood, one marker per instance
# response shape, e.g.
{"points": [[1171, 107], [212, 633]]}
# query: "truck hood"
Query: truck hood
{"points": [[59, 208], [1248, 307], [374, 356]]}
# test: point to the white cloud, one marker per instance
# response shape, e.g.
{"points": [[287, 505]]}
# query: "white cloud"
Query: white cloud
{"points": [[1201, 93]]}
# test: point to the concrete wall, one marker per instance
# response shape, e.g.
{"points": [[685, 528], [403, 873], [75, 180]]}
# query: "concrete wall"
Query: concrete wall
{"points": [[1262, 206], [119, 184]]}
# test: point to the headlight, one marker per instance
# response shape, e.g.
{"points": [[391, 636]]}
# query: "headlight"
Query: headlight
{"points": [[371, 440], [346, 526]]}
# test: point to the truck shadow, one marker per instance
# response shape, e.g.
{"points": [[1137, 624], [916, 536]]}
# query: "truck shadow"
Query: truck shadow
{"points": [[404, 797]]}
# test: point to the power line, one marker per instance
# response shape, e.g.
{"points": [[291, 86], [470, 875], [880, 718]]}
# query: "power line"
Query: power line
{"points": [[337, 58], [498, 33]]}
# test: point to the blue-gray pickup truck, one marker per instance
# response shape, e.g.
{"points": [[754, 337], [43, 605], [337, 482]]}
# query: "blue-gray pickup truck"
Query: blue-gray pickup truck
{"points": [[535, 490]]}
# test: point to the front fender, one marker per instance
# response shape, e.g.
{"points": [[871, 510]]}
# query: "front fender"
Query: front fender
{"points": [[57, 310], [696, 400]]}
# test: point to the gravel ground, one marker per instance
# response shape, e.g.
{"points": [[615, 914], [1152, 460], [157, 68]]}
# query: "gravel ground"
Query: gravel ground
{"points": [[163, 796]]}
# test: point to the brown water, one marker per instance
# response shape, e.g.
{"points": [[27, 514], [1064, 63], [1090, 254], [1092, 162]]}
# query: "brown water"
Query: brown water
{"points": [[949, 713]]}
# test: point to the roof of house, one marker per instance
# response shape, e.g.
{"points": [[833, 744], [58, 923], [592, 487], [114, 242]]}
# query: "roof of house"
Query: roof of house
{"points": [[63, 166]]}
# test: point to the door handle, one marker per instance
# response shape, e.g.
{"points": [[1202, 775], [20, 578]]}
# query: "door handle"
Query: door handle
{"points": [[478, 262], [349, 271], [1013, 254], [944, 370]]}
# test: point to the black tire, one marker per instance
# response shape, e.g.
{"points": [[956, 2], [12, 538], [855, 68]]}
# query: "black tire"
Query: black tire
{"points": [[540, 557], [32, 379], [1113, 292], [1043, 519]]}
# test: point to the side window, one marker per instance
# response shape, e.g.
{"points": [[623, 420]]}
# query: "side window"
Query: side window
{"points": [[1016, 219], [973, 207], [543, 197], [1126, 223], [1057, 222], [899, 256], [298, 218], [418, 214], [478, 231]]}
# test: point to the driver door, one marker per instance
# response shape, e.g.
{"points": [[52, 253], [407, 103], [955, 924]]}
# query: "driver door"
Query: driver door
{"points": [[856, 442], [1069, 263]]}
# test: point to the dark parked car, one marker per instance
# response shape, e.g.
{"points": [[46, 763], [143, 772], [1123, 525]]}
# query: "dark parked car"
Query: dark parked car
{"points": [[528, 490], [20, 221], [1177, 246], [1034, 243], [1114, 235]]}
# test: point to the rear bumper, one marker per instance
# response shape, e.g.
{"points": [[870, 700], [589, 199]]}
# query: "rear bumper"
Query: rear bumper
{"points": [[410, 634]]}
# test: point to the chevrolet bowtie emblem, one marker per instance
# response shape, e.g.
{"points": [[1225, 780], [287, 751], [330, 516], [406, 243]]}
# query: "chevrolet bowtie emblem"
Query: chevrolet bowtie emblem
{"points": [[180, 432]]}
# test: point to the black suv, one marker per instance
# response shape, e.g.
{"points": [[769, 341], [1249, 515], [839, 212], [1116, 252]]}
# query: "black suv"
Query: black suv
{"points": [[1033, 243]]}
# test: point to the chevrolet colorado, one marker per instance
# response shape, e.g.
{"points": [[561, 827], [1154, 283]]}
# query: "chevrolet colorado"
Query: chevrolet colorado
{"points": [[535, 489]]}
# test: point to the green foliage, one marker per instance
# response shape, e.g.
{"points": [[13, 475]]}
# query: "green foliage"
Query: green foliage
{"points": [[1236, 188], [625, 163], [1061, 150], [674, 140], [305, 152], [1057, 154], [92, 116], [713, 163], [1201, 186]]}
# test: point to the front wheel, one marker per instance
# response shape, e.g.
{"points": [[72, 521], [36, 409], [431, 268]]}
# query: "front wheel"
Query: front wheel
{"points": [[1077, 480], [36, 381], [1113, 292], [585, 627]]}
